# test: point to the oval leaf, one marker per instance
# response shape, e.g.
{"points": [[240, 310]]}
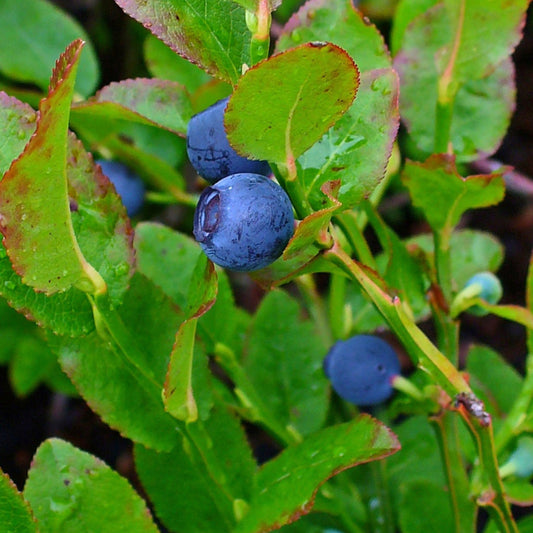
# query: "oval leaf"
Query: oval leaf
{"points": [[15, 514], [356, 150], [34, 204], [159, 102], [211, 34], [71, 490], [285, 487], [273, 112]]}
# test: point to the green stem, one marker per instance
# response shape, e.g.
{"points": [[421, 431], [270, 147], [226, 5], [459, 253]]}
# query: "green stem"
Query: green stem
{"points": [[336, 305], [350, 224], [463, 508], [381, 515], [256, 409], [306, 284], [443, 124], [490, 491], [288, 178], [426, 355], [443, 264], [111, 327]]}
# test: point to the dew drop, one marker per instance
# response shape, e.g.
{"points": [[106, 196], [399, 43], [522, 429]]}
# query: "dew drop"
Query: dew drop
{"points": [[339, 452], [10, 285], [121, 269], [375, 85], [3, 252]]}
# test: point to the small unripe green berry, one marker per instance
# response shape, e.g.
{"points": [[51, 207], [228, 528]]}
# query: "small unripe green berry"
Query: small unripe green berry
{"points": [[490, 290]]}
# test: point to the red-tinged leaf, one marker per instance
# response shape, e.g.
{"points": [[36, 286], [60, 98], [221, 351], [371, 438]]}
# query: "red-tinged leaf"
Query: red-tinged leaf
{"points": [[149, 101], [15, 513], [443, 195], [313, 228], [211, 34], [178, 395], [286, 486], [519, 492], [446, 65], [18, 124], [34, 204], [71, 490], [102, 230], [273, 112], [357, 148]]}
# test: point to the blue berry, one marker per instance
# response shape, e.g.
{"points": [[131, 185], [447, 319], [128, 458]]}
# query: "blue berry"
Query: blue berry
{"points": [[209, 150], [490, 290], [128, 185], [361, 369], [243, 222]]}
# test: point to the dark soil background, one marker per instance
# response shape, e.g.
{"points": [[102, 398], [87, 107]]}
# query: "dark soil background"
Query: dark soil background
{"points": [[26, 422]]}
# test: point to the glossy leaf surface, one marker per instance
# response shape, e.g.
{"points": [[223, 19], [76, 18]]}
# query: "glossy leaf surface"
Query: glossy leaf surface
{"points": [[210, 33], [285, 487], [357, 148], [213, 481], [71, 490], [34, 205], [288, 121], [121, 376], [443, 195], [156, 102], [15, 513], [284, 363]]}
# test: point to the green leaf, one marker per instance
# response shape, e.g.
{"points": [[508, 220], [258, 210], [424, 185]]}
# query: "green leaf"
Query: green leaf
{"points": [[443, 195], [288, 85], [42, 31], [445, 66], [164, 63], [211, 34], [285, 487], [18, 121], [15, 513], [398, 268], [34, 204], [406, 12], [191, 491], [519, 492], [149, 101], [472, 251], [32, 362], [71, 490], [493, 380], [313, 228], [161, 251], [419, 457], [102, 230], [178, 394], [122, 377], [284, 363], [357, 148], [424, 506]]}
